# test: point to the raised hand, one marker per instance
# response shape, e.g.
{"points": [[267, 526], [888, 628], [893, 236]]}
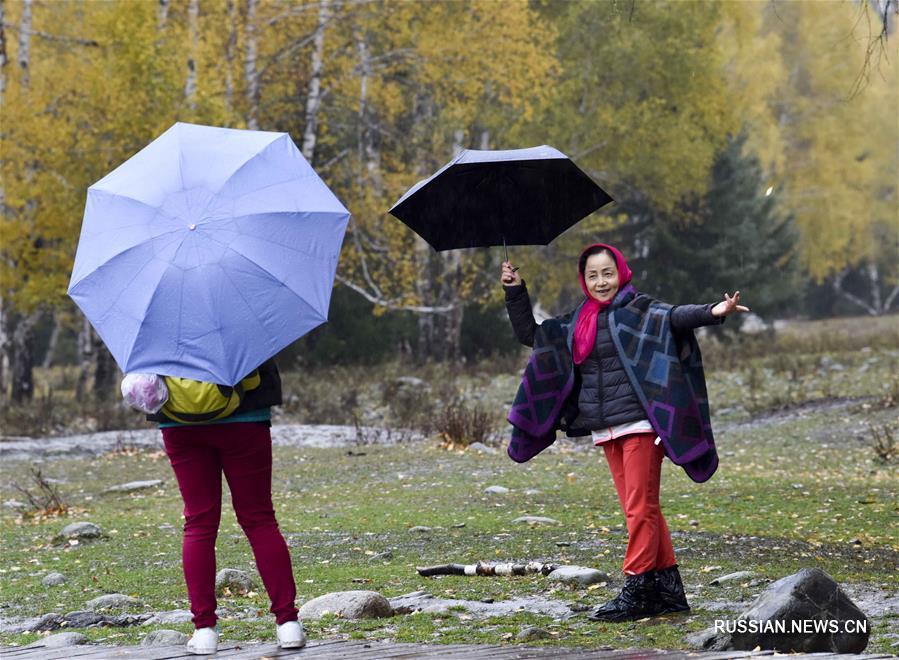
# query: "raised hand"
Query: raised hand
{"points": [[510, 276], [729, 305]]}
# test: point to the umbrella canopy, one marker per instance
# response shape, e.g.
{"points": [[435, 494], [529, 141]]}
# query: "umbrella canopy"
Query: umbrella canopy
{"points": [[207, 252], [511, 197]]}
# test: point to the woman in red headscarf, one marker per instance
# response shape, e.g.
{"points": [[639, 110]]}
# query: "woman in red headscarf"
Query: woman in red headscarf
{"points": [[615, 406]]}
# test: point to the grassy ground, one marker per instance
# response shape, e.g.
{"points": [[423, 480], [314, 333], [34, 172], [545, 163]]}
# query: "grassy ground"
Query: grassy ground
{"points": [[807, 490], [797, 488]]}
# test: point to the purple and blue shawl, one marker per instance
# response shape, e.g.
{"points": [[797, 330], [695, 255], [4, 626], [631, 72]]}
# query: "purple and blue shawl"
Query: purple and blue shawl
{"points": [[664, 367]]}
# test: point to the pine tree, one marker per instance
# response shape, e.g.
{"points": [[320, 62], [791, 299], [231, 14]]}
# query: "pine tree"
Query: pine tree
{"points": [[732, 238]]}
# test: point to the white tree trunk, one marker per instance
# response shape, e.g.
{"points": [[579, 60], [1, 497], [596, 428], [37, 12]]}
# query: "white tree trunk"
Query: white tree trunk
{"points": [[190, 85], [313, 96], [85, 354], [24, 55], [3, 60], [249, 67], [230, 47], [851, 297], [2, 63], [162, 15], [4, 348]]}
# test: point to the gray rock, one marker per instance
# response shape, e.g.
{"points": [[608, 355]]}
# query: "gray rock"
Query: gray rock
{"points": [[348, 605], [81, 530], [119, 602], [51, 621], [382, 556], [164, 638], [732, 577], [53, 579], [531, 633], [133, 486], [411, 382], [579, 576], [82, 619], [420, 529], [234, 580], [169, 617], [85, 619], [496, 490], [481, 448], [708, 640], [60, 640], [421, 601], [536, 520], [533, 491], [15, 505], [779, 619]]}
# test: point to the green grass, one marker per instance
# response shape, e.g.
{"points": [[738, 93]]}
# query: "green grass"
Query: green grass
{"points": [[798, 488], [806, 487]]}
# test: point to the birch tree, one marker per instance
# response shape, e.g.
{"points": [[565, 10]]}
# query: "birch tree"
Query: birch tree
{"points": [[190, 85], [313, 94]]}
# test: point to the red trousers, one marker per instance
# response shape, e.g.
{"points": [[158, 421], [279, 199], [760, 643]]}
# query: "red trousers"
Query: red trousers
{"points": [[636, 465], [243, 451]]}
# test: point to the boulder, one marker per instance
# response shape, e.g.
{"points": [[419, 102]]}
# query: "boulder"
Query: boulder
{"points": [[496, 490], [51, 621], [80, 530], [348, 605], [169, 617], [234, 580], [119, 602], [53, 579], [806, 612], [532, 633], [60, 640], [164, 638], [577, 576]]}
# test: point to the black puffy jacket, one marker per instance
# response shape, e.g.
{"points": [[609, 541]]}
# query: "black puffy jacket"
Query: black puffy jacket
{"points": [[605, 396]]}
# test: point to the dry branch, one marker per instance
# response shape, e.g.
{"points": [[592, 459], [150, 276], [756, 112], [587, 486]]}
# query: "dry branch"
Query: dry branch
{"points": [[485, 569]]}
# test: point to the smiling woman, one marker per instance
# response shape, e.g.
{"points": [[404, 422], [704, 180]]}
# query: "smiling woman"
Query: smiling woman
{"points": [[625, 370]]}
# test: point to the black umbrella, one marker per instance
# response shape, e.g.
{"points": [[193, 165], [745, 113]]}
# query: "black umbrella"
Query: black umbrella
{"points": [[512, 197]]}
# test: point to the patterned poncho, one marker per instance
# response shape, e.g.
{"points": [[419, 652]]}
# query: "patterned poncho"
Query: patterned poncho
{"points": [[664, 367]]}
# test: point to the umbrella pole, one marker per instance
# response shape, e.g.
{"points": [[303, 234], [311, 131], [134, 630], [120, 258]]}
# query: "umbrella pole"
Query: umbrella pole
{"points": [[505, 249]]}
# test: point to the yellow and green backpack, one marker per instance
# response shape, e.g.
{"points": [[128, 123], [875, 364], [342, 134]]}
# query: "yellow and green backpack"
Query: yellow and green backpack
{"points": [[197, 402]]}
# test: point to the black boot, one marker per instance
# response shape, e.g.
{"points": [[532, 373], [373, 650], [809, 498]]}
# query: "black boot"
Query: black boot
{"points": [[670, 590], [636, 600]]}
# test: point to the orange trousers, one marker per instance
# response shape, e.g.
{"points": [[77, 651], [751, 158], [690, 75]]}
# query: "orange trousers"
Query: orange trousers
{"points": [[636, 465]]}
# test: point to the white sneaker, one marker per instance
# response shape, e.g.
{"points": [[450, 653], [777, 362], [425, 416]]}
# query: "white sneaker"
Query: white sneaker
{"points": [[204, 641], [291, 635]]}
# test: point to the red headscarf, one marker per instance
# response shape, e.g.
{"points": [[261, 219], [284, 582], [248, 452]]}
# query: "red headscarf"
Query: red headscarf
{"points": [[585, 330]]}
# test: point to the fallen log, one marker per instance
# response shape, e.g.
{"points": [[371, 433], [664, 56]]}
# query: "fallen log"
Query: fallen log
{"points": [[483, 568]]}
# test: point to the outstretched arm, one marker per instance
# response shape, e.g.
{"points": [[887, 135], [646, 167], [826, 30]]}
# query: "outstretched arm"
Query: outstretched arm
{"points": [[688, 317], [518, 305]]}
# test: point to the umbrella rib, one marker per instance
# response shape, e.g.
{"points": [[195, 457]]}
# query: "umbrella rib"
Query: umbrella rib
{"points": [[272, 340], [270, 185], [267, 271], [100, 191], [266, 240], [250, 160], [118, 254]]}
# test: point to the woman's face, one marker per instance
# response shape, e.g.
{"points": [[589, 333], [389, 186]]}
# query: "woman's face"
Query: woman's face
{"points": [[601, 276]]}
